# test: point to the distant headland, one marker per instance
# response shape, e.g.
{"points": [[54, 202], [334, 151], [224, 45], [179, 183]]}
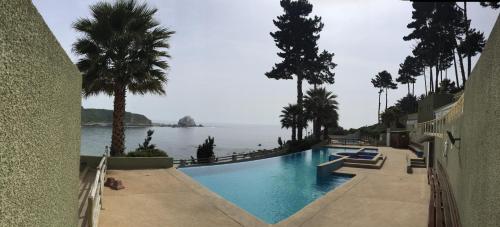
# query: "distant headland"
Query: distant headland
{"points": [[104, 118]]}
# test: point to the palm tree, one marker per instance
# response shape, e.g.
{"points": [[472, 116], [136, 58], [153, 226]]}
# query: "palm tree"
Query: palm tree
{"points": [[289, 117], [320, 105], [123, 49], [330, 122]]}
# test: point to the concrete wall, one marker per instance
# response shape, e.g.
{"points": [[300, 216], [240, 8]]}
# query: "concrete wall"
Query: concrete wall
{"points": [[140, 162], [473, 164], [326, 169], [39, 122]]}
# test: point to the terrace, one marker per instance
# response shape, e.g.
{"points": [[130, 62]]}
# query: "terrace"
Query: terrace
{"points": [[160, 197]]}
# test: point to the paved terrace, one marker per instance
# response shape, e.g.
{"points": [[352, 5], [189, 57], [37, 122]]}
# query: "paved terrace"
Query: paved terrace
{"points": [[385, 197]]}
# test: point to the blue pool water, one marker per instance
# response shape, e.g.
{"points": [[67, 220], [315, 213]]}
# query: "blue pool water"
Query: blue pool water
{"points": [[271, 189]]}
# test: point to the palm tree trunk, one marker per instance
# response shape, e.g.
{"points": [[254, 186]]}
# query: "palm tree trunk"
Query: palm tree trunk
{"points": [[425, 82], [413, 89], [317, 128], [456, 71], [408, 88], [118, 135], [299, 105], [294, 132], [385, 98]]}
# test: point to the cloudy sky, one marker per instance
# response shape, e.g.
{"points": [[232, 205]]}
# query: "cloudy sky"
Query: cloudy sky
{"points": [[222, 48]]}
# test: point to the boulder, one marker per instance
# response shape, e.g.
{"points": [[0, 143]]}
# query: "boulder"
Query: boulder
{"points": [[186, 121]]}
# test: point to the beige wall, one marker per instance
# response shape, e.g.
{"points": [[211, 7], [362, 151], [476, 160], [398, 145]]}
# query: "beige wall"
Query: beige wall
{"points": [[39, 122], [473, 165]]}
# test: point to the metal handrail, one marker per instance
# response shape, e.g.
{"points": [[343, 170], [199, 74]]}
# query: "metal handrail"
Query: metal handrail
{"points": [[229, 158]]}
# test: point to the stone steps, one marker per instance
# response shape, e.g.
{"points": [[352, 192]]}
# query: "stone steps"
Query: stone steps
{"points": [[377, 165]]}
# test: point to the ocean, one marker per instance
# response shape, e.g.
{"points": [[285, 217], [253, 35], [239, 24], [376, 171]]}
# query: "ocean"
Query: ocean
{"points": [[181, 143]]}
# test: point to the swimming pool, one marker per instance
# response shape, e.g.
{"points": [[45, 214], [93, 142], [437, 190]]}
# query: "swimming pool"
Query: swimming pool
{"points": [[271, 189]]}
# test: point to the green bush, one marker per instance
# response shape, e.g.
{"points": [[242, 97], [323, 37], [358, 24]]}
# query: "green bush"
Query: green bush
{"points": [[205, 151], [147, 153], [146, 149]]}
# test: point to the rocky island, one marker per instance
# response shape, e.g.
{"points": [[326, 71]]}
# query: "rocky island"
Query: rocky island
{"points": [[185, 122], [103, 117]]}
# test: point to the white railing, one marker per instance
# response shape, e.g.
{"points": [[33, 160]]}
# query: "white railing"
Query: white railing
{"points": [[95, 195], [436, 127]]}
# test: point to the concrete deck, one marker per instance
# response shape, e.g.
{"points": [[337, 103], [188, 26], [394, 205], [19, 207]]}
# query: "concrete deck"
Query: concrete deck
{"points": [[384, 197]]}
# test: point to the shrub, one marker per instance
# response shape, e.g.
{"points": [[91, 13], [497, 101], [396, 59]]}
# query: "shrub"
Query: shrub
{"points": [[280, 142], [146, 149], [305, 144], [147, 153], [205, 152]]}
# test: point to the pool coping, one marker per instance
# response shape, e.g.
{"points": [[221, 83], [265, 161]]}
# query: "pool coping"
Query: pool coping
{"points": [[231, 210], [245, 218]]}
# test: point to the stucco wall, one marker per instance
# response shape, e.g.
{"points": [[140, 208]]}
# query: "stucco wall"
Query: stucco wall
{"points": [[473, 165], [39, 122]]}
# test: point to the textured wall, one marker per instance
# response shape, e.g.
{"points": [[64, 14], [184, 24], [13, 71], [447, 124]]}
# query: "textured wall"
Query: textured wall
{"points": [[39, 122], [473, 166]]}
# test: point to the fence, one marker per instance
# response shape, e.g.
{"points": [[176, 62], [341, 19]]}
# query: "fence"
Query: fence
{"points": [[437, 127], [95, 195], [231, 158]]}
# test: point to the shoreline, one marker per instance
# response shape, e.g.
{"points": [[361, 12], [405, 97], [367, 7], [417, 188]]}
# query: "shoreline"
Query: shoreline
{"points": [[107, 124]]}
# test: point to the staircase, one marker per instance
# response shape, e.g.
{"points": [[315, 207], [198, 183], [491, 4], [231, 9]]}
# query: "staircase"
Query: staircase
{"points": [[414, 163], [418, 163], [376, 165], [417, 149]]}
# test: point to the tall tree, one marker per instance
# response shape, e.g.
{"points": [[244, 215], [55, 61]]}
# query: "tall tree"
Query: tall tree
{"points": [[377, 83], [407, 72], [408, 104], [122, 49], [289, 116], [436, 26], [321, 69], [386, 83], [319, 105], [472, 45], [296, 38]]}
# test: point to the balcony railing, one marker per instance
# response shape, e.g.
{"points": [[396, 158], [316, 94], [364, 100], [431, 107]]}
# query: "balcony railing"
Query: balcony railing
{"points": [[437, 127], [95, 195]]}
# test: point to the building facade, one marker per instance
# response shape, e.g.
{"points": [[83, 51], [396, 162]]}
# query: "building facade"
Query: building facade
{"points": [[39, 122]]}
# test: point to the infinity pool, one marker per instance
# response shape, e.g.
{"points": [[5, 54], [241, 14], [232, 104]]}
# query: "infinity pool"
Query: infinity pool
{"points": [[271, 189]]}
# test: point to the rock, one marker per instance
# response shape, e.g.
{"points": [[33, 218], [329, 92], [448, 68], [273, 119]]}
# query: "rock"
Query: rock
{"points": [[109, 181], [114, 184], [186, 121]]}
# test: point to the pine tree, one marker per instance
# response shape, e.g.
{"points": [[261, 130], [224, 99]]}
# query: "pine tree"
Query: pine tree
{"points": [[297, 37]]}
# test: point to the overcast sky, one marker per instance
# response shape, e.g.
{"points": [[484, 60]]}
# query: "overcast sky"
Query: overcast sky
{"points": [[222, 48]]}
